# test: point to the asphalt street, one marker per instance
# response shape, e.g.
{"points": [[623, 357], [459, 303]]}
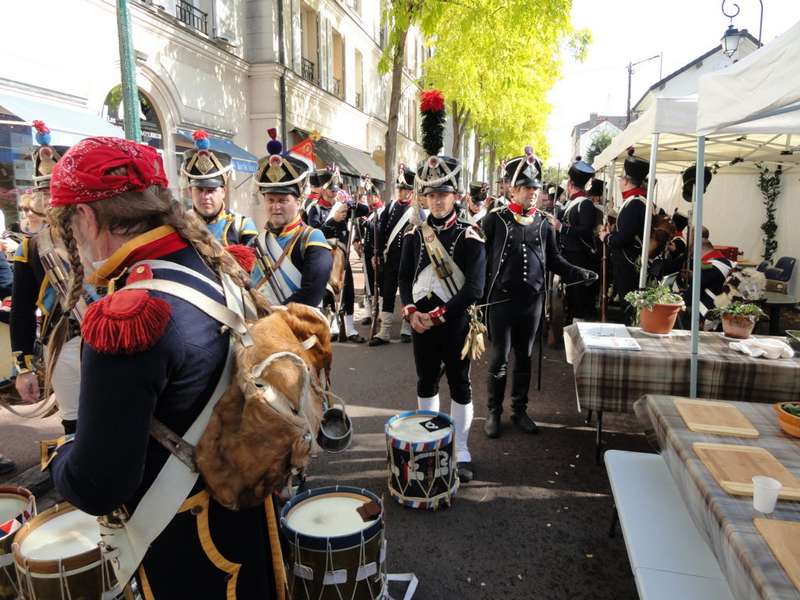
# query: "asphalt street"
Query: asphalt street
{"points": [[533, 525]]}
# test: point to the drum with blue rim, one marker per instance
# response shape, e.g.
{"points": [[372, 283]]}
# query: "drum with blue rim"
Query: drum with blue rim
{"points": [[422, 467]]}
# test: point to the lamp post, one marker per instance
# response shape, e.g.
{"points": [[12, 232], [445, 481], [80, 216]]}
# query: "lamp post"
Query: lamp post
{"points": [[630, 77], [732, 36], [127, 62]]}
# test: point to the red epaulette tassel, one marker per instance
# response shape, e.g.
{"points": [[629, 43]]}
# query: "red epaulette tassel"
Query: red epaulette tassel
{"points": [[126, 322], [244, 255]]}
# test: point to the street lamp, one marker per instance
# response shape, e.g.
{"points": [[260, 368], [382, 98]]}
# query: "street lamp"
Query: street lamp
{"points": [[732, 36]]}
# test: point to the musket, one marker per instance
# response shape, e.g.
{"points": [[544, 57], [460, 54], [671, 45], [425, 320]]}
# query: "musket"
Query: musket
{"points": [[444, 273], [339, 305], [58, 278]]}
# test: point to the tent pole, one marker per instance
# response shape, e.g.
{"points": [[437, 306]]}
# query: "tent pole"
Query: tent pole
{"points": [[697, 242], [608, 195], [648, 215]]}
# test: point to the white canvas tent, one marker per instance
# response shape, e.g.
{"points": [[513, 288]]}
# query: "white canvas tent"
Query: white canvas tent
{"points": [[758, 98]]}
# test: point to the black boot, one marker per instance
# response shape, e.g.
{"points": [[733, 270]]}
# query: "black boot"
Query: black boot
{"points": [[523, 422], [466, 471], [376, 341], [496, 391], [405, 338], [6, 465]]}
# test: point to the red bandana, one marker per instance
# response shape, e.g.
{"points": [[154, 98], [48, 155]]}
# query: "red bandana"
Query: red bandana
{"points": [[711, 255], [518, 210], [634, 192], [81, 176]]}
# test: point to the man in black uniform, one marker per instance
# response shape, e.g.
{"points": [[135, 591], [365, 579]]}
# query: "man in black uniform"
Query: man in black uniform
{"points": [[394, 222], [521, 248], [474, 209], [442, 271], [625, 243], [369, 229], [576, 233], [208, 174], [333, 218]]}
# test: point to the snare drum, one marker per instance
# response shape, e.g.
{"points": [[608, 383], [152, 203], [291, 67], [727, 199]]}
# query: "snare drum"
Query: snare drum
{"points": [[57, 555], [422, 470], [17, 506], [333, 551]]}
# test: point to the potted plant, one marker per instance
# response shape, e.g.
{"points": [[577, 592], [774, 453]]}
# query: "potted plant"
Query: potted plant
{"points": [[738, 318], [657, 308]]}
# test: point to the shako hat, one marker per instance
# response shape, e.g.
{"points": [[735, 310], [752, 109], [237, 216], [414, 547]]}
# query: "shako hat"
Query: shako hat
{"points": [[328, 178], [524, 171], [478, 192], [636, 168], [436, 173], [44, 156], [597, 188], [279, 173], [580, 172], [203, 167], [689, 177], [405, 178]]}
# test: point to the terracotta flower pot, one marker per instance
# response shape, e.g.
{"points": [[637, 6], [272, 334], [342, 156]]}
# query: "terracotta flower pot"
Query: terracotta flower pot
{"points": [[661, 319], [738, 326], [787, 421]]}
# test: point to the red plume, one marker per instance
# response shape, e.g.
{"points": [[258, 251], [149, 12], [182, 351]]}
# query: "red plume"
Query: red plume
{"points": [[273, 133], [40, 126], [431, 101], [246, 257], [199, 134]]}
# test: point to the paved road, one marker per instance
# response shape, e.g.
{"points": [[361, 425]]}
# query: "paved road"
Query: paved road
{"points": [[533, 525]]}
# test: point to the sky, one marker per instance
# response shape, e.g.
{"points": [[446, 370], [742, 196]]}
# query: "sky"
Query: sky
{"points": [[631, 30]]}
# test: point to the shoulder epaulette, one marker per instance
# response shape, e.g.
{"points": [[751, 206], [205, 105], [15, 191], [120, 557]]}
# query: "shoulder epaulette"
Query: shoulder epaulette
{"points": [[126, 322], [474, 233], [244, 255], [22, 252]]}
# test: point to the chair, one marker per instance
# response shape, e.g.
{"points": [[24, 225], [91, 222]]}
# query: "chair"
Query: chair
{"points": [[783, 269], [763, 266]]}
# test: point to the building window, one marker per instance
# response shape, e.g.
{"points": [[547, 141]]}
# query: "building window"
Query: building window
{"points": [[359, 81], [188, 14], [338, 65], [309, 44]]}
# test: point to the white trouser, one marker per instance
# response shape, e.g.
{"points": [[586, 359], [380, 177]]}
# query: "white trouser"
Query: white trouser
{"points": [[462, 420], [431, 403], [385, 332], [405, 328], [66, 379]]}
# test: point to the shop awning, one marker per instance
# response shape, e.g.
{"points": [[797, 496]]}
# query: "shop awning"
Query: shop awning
{"points": [[67, 125], [242, 160], [351, 161]]}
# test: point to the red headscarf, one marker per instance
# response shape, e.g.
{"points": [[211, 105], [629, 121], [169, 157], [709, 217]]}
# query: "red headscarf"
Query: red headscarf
{"points": [[81, 176]]}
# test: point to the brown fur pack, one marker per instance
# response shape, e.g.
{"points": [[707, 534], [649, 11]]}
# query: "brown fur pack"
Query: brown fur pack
{"points": [[257, 436]]}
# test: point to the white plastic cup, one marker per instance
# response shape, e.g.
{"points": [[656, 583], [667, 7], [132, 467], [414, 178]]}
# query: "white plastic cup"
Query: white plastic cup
{"points": [[765, 493]]}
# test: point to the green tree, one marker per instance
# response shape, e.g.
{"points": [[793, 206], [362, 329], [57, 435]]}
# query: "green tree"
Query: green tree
{"points": [[600, 142]]}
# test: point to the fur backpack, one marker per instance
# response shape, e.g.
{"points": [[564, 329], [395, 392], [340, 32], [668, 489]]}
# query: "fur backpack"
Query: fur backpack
{"points": [[263, 430]]}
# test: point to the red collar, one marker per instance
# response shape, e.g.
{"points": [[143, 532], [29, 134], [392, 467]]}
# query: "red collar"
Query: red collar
{"points": [[288, 228], [577, 195], [634, 192], [451, 220], [324, 203], [152, 244], [376, 205], [711, 255], [518, 210]]}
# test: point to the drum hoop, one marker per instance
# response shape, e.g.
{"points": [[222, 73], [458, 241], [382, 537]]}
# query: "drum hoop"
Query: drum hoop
{"points": [[418, 446], [41, 567], [311, 542], [431, 502]]}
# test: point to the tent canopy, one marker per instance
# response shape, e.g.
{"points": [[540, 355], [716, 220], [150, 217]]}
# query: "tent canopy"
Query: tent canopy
{"points": [[757, 94]]}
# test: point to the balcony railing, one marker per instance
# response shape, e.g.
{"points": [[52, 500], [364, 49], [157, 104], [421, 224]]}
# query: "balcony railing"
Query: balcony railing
{"points": [[307, 71], [359, 101], [191, 16], [338, 88]]}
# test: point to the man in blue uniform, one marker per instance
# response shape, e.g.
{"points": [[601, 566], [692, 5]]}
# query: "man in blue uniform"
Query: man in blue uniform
{"points": [[394, 223], [576, 233], [335, 220], [625, 243], [293, 260], [208, 172], [153, 356], [442, 270]]}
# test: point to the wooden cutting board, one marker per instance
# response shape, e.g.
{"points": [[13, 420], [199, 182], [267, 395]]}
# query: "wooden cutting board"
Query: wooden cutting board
{"points": [[719, 418], [783, 538], [734, 466]]}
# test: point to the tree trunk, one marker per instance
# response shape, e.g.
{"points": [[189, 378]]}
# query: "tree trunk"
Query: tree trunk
{"points": [[476, 160], [390, 167], [460, 122], [492, 168]]}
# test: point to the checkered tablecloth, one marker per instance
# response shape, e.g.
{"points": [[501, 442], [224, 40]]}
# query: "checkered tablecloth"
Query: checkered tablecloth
{"points": [[726, 521], [612, 380]]}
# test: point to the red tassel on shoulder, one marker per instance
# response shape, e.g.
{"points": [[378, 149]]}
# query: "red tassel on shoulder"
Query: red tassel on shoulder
{"points": [[126, 322], [244, 255]]}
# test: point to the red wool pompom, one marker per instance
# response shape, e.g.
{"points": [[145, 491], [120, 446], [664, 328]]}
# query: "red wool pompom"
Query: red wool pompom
{"points": [[199, 135], [40, 126], [431, 101], [126, 322], [245, 256]]}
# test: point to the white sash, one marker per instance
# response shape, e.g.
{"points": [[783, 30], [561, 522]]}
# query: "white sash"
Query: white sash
{"points": [[396, 229], [127, 545], [573, 203], [285, 276]]}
